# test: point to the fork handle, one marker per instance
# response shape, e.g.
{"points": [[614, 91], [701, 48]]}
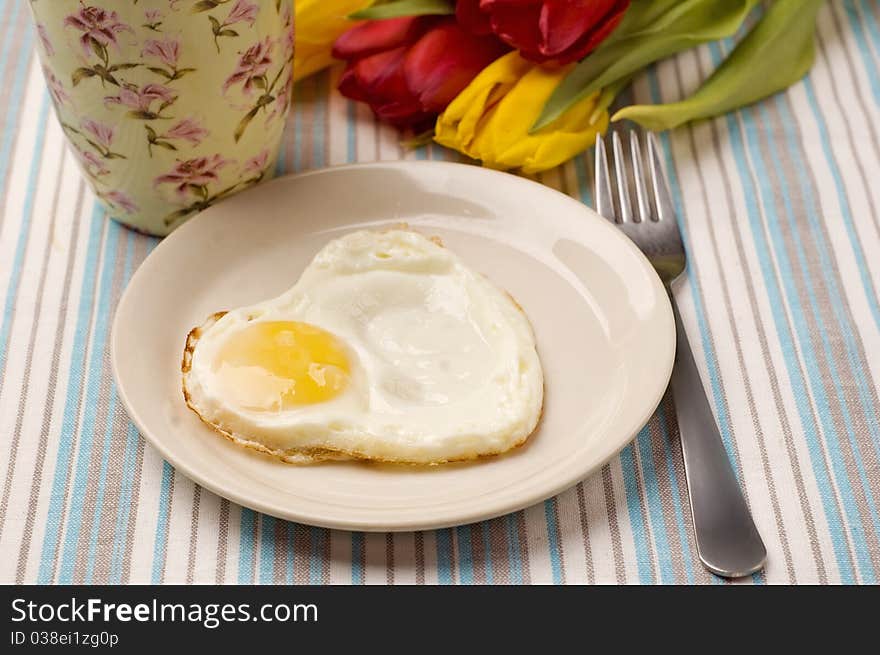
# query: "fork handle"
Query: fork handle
{"points": [[728, 542]]}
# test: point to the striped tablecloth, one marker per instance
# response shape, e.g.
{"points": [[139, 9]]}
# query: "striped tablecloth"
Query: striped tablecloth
{"points": [[781, 211]]}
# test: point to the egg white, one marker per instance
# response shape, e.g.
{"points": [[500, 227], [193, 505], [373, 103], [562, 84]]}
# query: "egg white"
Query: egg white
{"points": [[443, 363]]}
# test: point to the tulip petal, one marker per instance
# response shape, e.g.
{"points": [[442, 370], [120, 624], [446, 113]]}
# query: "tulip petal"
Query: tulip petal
{"points": [[564, 22], [374, 36], [444, 61], [517, 25], [472, 18], [490, 119]]}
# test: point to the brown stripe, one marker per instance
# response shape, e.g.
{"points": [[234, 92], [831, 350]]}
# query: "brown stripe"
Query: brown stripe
{"points": [[99, 430], [29, 355], [499, 551], [478, 552], [560, 542], [611, 510], [167, 526], [5, 103], [664, 490], [585, 531], [643, 499], [731, 320], [193, 535], [780, 410], [389, 558], [140, 253], [828, 319], [790, 329], [419, 546], [781, 211], [222, 541], [42, 443], [860, 99], [79, 401], [667, 407], [522, 532], [282, 547], [301, 554]]}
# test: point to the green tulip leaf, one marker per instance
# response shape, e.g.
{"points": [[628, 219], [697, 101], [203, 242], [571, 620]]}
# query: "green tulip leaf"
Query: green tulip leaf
{"points": [[650, 30], [775, 54], [404, 8]]}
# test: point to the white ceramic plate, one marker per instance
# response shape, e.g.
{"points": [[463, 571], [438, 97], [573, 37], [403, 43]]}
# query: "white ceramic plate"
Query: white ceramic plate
{"points": [[602, 320]]}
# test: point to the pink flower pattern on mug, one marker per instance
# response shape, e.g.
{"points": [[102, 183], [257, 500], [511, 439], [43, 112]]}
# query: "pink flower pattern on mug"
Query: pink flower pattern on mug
{"points": [[252, 67], [99, 28], [251, 73], [140, 100], [153, 19], [119, 200], [189, 130], [91, 163], [44, 40], [56, 87], [167, 52], [105, 48], [194, 174]]}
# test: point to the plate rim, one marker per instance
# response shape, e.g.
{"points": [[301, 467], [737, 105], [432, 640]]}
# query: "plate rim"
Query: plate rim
{"points": [[463, 517]]}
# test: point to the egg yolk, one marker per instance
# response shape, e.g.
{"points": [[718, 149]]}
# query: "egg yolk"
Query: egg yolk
{"points": [[277, 365]]}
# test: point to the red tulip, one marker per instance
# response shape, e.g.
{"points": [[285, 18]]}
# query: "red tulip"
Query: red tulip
{"points": [[544, 30], [408, 69]]}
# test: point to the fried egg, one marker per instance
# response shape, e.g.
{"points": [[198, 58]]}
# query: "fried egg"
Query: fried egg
{"points": [[388, 347]]}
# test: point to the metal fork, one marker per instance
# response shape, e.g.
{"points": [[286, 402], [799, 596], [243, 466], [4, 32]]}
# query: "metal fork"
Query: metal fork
{"points": [[728, 542]]}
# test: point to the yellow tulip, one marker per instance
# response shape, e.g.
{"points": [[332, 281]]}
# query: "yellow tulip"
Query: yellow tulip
{"points": [[491, 118], [318, 24]]}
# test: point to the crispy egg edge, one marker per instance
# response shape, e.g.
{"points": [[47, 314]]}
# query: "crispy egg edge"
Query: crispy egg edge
{"points": [[306, 456]]}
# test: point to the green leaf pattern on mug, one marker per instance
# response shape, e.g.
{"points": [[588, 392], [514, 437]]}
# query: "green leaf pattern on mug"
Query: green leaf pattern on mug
{"points": [[132, 88]]}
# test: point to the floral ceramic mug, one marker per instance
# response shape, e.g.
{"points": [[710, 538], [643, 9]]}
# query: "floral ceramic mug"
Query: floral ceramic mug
{"points": [[169, 105]]}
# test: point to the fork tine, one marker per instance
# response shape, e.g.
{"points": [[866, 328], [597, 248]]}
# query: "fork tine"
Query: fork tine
{"points": [[643, 204], [604, 200], [625, 214], [662, 198]]}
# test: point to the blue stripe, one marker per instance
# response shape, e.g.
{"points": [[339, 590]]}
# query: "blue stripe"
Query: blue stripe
{"points": [[711, 358], [854, 357], [123, 509], [129, 469], [161, 544], [465, 554], [852, 351], [677, 508], [514, 554], [487, 548], [553, 539], [11, 26], [16, 90], [634, 510], [291, 551], [108, 440], [72, 400], [247, 546], [267, 548], [358, 553], [444, 556], [785, 336], [316, 557], [655, 508], [864, 49], [24, 233], [811, 359], [91, 402]]}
